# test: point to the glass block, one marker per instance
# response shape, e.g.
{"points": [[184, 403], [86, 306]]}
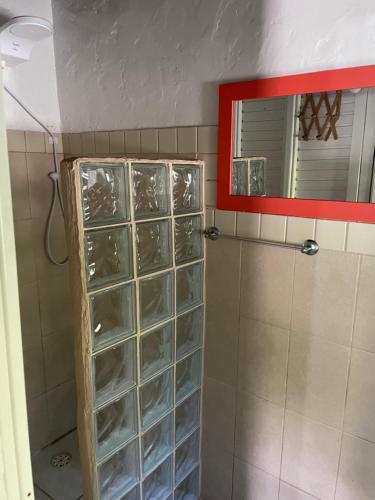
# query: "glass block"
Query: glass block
{"points": [[105, 198], [158, 484], [156, 398], [188, 375], [134, 494], [112, 315], [189, 331], [114, 371], [248, 177], [156, 350], [153, 246], [188, 238], [189, 488], [189, 283], [157, 443], [187, 416], [108, 256], [156, 299], [150, 190], [115, 424], [120, 472], [187, 456], [187, 188]]}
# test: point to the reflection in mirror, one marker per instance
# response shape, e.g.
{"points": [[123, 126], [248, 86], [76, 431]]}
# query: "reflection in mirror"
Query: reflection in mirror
{"points": [[310, 146]]}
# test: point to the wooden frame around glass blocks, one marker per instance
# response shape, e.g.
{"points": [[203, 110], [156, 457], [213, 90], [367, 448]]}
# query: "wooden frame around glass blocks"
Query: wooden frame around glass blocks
{"points": [[170, 212]]}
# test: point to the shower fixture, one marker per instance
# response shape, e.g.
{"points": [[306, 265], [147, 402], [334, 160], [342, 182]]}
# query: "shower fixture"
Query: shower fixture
{"points": [[18, 37]]}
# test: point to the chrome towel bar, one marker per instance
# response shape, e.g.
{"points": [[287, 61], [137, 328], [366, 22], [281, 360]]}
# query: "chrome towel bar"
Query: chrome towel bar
{"points": [[308, 247]]}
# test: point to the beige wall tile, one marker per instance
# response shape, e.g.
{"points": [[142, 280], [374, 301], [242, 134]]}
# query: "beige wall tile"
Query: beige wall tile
{"points": [[133, 141], [360, 407], [55, 305], [88, 143], [62, 409], [324, 294], [253, 483], [363, 336], [210, 166], [39, 430], [259, 433], [58, 144], [26, 269], [75, 144], [59, 358], [39, 165], [221, 342], [361, 238], [187, 140], [102, 142], [273, 227], [248, 225], [331, 234], [310, 456], [207, 140], [222, 310], [210, 190], [66, 144], [34, 371], [35, 142], [217, 467], [167, 140], [288, 492], [266, 284], [262, 362], [16, 140], [356, 475], [20, 186], [149, 140], [30, 316], [317, 378], [117, 141], [226, 222], [219, 414], [299, 229]]}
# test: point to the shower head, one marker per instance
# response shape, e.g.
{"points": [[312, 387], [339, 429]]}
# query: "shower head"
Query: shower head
{"points": [[18, 37]]}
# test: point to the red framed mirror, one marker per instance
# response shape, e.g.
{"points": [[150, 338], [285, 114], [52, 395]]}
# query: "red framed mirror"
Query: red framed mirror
{"points": [[300, 145]]}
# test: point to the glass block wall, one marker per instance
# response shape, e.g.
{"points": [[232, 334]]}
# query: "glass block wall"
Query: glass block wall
{"points": [[144, 269]]}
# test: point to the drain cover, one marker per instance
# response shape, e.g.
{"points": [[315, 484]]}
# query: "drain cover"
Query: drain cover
{"points": [[61, 459]]}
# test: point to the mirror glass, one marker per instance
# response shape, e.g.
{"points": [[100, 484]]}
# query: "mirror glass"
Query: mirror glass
{"points": [[309, 146]]}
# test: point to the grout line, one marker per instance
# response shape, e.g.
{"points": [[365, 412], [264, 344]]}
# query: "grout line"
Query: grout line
{"points": [[287, 369], [240, 275], [359, 265]]}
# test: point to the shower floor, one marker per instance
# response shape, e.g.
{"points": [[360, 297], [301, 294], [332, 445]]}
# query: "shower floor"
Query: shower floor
{"points": [[56, 470]]}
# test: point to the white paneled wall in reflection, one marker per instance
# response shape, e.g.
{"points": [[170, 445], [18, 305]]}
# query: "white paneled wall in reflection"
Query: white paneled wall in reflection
{"points": [[137, 262]]}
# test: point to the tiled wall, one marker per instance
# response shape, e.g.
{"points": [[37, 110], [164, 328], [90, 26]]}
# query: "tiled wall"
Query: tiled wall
{"points": [[44, 291], [290, 354], [290, 374]]}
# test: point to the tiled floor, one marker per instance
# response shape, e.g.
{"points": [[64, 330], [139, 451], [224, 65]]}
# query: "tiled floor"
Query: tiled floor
{"points": [[58, 483]]}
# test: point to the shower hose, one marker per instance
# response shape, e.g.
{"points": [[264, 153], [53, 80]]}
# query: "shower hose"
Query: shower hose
{"points": [[55, 179]]}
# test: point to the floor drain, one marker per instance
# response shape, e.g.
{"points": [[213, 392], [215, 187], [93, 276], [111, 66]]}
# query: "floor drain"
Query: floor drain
{"points": [[61, 459]]}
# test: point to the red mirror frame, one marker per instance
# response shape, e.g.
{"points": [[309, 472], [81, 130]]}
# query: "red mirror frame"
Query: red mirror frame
{"points": [[348, 78]]}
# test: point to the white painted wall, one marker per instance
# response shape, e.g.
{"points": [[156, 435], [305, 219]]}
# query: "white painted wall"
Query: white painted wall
{"points": [[34, 82], [142, 63]]}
